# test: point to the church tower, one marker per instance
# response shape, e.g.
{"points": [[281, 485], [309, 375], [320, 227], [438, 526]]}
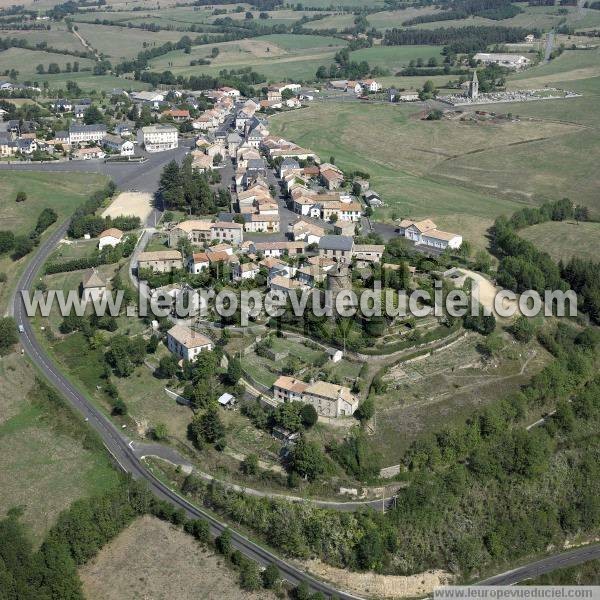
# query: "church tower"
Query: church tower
{"points": [[474, 87]]}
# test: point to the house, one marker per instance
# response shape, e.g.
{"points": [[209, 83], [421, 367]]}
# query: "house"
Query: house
{"points": [[160, 261], [187, 343], [152, 98], [229, 91], [288, 164], [124, 129], [345, 211], [227, 232], [79, 110], [331, 176], [226, 400], [529, 38], [345, 228], [256, 223], [95, 132], [198, 262], [370, 85], [62, 105], [273, 95], [197, 232], [110, 237], [88, 153], [337, 247], [285, 284], [310, 275], [426, 233], [178, 115], [372, 199], [509, 61], [243, 271], [330, 400], [306, 231], [289, 389], [368, 253], [93, 286], [158, 138], [62, 137], [117, 144]]}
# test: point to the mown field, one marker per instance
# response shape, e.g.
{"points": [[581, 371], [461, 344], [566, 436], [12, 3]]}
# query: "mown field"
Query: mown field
{"points": [[58, 37], [127, 568], [52, 190], [43, 467], [26, 62], [406, 156], [565, 239], [277, 57]]}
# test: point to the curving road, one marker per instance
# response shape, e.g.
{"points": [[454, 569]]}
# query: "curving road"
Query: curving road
{"points": [[118, 445]]}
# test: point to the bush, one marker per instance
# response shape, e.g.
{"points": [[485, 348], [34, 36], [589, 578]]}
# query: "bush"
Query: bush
{"points": [[9, 335]]}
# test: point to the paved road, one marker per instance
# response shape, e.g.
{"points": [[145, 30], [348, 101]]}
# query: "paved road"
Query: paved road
{"points": [[545, 565], [118, 445]]}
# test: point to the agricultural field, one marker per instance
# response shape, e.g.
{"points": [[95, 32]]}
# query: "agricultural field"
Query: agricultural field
{"points": [[38, 448], [310, 361], [89, 83], [26, 62], [127, 568], [52, 190], [407, 156], [396, 57], [119, 43], [58, 37], [565, 239], [277, 57], [429, 393]]}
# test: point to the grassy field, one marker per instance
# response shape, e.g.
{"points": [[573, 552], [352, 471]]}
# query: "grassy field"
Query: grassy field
{"points": [[277, 57], [43, 469], [406, 157], [26, 61], [118, 43], [396, 57], [58, 37], [127, 568], [446, 387], [88, 82], [52, 190], [565, 239]]}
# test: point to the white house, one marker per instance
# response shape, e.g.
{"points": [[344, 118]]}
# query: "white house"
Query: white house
{"points": [[117, 144], [510, 61], [426, 233], [110, 237], [187, 343], [158, 138], [245, 271], [370, 85], [95, 132], [93, 286], [198, 262]]}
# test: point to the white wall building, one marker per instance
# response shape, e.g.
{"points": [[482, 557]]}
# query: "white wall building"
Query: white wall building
{"points": [[187, 343], [158, 138]]}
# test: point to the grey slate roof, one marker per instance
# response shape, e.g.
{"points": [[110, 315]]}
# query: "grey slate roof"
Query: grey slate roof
{"points": [[336, 242]]}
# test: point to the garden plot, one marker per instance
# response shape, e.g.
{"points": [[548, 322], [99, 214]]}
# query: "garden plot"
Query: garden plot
{"points": [[430, 392]]}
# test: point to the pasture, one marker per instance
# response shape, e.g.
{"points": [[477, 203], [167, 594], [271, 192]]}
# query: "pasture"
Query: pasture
{"points": [[396, 57], [38, 449], [44, 190], [407, 159], [120, 43], [278, 57], [58, 37], [26, 62], [565, 239], [126, 568]]}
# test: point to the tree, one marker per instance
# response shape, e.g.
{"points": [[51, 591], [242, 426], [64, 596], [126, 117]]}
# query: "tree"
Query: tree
{"points": [[206, 427], [524, 328], [7, 241], [270, 576], [366, 410], [250, 578], [167, 367], [21, 196], [234, 371], [309, 416], [308, 460], [23, 246], [249, 466], [8, 334], [223, 543], [92, 115], [160, 432]]}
